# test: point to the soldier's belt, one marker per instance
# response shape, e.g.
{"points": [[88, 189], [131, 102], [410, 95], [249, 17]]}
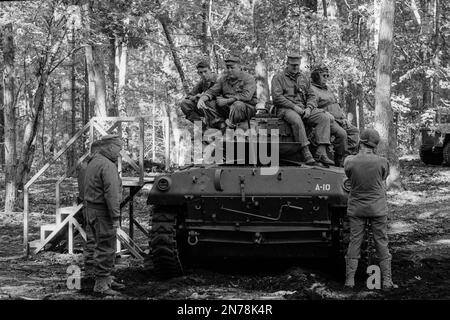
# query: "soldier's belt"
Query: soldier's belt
{"points": [[98, 206]]}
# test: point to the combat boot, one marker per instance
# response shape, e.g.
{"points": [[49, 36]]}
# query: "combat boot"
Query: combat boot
{"points": [[339, 160], [103, 287], [114, 284], [386, 275], [321, 155], [350, 269], [309, 159]]}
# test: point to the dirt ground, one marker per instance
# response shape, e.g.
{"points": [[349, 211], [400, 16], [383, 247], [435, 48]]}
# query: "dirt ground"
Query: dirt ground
{"points": [[419, 234]]}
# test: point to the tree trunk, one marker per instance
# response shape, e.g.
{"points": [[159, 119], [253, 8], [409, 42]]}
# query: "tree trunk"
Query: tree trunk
{"points": [[351, 101], [122, 74], [91, 82], [10, 119], [262, 82], [111, 79], [383, 110], [206, 29], [324, 7], [100, 109], [89, 62], [360, 102], [163, 18], [72, 101], [54, 121], [43, 134], [31, 127], [66, 107], [2, 124]]}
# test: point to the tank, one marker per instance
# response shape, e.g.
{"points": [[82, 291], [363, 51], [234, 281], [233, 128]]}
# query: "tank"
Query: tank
{"points": [[435, 144], [236, 209]]}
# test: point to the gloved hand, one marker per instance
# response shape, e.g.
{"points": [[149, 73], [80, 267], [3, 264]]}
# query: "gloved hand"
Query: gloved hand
{"points": [[299, 110]]}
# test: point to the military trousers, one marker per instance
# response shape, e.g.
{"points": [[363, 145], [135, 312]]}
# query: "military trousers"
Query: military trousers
{"points": [[100, 248], [193, 113], [379, 230], [237, 112], [340, 143], [352, 137], [317, 120]]}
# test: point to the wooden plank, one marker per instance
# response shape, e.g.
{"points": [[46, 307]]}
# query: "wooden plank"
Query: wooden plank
{"points": [[56, 157], [58, 229], [129, 160], [167, 142], [141, 151], [123, 119], [70, 236], [131, 229], [80, 229], [130, 244], [145, 232], [25, 222]]}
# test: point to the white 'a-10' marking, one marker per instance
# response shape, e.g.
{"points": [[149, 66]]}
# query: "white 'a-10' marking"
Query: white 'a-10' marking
{"points": [[323, 187]]}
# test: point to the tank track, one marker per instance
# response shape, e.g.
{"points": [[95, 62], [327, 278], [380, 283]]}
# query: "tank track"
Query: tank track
{"points": [[163, 244]]}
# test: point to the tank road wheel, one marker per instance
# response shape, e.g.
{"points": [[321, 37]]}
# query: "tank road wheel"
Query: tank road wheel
{"points": [[428, 156], [163, 244], [446, 154]]}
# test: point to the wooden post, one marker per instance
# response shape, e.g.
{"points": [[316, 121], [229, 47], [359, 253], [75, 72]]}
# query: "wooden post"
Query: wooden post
{"points": [[91, 133], [131, 230], [141, 151], [70, 242], [25, 222], [167, 141], [57, 197], [154, 123]]}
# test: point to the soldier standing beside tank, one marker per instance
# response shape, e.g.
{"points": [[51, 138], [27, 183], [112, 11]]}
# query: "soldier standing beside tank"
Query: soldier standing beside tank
{"points": [[102, 196], [296, 103], [189, 104], [367, 172], [327, 101], [234, 95]]}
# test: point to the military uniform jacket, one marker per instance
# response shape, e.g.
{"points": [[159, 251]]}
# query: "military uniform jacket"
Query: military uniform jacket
{"points": [[289, 91], [326, 100], [367, 173], [102, 185], [242, 89], [202, 86]]}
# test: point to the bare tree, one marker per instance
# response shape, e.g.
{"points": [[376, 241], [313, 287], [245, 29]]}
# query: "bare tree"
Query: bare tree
{"points": [[383, 110], [10, 118]]}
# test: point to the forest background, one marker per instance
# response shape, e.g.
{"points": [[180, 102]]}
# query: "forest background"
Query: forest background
{"points": [[64, 62]]}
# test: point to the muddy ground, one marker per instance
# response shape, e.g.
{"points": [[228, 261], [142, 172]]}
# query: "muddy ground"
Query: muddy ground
{"points": [[419, 233]]}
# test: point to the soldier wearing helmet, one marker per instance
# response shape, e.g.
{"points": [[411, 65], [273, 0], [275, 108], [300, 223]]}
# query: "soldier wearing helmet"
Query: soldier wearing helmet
{"points": [[326, 100], [102, 195], [367, 172]]}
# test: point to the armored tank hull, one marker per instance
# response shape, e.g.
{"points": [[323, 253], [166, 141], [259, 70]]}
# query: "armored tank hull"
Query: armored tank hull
{"points": [[233, 210]]}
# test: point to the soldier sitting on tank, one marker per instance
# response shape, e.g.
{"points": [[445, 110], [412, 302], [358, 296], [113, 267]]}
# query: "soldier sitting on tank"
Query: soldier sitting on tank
{"points": [[234, 95], [189, 103], [295, 102], [326, 100]]}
